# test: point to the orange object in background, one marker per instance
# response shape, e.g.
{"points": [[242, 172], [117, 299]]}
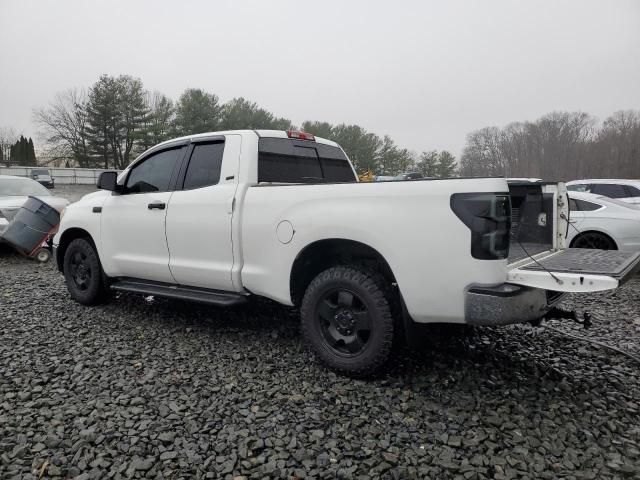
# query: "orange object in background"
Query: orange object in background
{"points": [[367, 176]]}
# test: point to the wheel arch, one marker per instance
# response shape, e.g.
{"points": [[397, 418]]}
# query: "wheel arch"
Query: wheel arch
{"points": [[66, 238], [595, 230], [322, 254]]}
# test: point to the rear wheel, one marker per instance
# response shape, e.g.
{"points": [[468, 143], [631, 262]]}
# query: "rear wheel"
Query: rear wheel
{"points": [[346, 318], [83, 273], [594, 240]]}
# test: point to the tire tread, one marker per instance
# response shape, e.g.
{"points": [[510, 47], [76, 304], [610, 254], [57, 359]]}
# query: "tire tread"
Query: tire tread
{"points": [[99, 291], [374, 285]]}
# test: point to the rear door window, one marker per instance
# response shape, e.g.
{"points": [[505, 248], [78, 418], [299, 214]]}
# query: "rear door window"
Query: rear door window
{"points": [[204, 165], [610, 190]]}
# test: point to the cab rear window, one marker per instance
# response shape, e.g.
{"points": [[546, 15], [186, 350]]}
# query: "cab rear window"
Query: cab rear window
{"points": [[283, 160]]}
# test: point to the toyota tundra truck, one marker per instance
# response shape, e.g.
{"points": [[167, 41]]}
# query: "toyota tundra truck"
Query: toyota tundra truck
{"points": [[221, 217]]}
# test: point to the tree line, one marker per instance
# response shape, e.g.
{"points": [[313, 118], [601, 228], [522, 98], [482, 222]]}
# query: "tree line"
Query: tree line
{"points": [[16, 150], [114, 120], [557, 146], [23, 152]]}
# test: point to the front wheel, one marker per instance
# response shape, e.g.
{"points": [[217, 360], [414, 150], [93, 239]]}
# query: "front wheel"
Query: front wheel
{"points": [[83, 273], [346, 318]]}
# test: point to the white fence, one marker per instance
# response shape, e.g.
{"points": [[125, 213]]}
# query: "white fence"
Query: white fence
{"points": [[63, 176]]}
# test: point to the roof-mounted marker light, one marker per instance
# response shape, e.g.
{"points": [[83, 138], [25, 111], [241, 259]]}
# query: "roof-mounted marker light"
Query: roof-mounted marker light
{"points": [[300, 135]]}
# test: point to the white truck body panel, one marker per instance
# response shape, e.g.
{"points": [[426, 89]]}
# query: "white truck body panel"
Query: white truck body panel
{"points": [[417, 218], [199, 228], [133, 237]]}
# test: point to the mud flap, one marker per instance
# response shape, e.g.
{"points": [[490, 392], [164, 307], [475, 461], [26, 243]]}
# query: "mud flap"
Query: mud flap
{"points": [[577, 270]]}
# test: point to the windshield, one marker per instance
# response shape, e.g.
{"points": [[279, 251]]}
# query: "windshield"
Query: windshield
{"points": [[40, 172], [20, 187]]}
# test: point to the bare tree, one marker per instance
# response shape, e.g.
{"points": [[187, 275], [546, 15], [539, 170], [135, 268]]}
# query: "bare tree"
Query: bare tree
{"points": [[64, 127], [483, 154], [618, 143], [557, 146], [8, 137]]}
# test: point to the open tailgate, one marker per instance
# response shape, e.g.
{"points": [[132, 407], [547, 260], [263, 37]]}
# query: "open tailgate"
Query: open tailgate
{"points": [[537, 255], [576, 270]]}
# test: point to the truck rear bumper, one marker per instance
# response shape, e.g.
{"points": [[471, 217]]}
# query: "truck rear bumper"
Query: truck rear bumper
{"points": [[507, 303]]}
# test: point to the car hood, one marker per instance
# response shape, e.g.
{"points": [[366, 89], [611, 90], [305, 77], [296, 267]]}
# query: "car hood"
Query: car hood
{"points": [[42, 178], [90, 197]]}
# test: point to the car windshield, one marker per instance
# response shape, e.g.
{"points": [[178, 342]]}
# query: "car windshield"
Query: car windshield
{"points": [[40, 172], [20, 187]]}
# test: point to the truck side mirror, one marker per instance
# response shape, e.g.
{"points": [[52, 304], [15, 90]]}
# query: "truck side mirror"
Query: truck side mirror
{"points": [[108, 181]]}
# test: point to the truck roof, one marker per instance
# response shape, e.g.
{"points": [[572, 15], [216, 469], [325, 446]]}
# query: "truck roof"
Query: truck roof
{"points": [[259, 133]]}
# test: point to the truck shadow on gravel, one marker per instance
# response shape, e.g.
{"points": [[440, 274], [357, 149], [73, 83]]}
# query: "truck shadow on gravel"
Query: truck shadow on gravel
{"points": [[447, 354]]}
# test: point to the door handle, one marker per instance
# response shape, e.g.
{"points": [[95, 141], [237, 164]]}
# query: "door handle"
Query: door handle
{"points": [[156, 206], [231, 204]]}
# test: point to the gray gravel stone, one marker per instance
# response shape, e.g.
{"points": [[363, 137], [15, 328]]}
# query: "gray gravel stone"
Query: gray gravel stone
{"points": [[134, 389]]}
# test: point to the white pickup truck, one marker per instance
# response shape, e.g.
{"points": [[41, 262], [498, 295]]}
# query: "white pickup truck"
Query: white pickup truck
{"points": [[220, 217]]}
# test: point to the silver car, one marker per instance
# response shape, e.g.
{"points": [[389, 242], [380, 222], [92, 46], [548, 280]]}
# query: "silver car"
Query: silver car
{"points": [[14, 191], [43, 177]]}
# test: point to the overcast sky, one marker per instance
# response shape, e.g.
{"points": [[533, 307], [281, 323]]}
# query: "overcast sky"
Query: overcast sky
{"points": [[424, 72]]}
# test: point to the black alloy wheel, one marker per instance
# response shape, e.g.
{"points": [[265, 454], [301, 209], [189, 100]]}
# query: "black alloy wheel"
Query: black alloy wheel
{"points": [[83, 273], [80, 270], [346, 319]]}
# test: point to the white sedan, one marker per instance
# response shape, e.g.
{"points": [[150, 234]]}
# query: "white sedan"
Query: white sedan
{"points": [[624, 190], [14, 191], [604, 223]]}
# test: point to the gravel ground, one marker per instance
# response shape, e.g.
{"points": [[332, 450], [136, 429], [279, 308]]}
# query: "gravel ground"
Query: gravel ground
{"points": [[161, 389]]}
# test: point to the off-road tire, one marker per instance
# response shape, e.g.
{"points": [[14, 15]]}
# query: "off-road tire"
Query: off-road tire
{"points": [[370, 290], [94, 289]]}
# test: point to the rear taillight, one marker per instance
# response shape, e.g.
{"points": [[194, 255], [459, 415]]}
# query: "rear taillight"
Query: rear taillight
{"points": [[300, 135], [488, 216]]}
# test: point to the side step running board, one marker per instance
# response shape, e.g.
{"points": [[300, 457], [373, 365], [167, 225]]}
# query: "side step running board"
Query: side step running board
{"points": [[167, 290]]}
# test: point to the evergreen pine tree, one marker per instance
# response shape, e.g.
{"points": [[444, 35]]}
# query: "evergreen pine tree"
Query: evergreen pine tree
{"points": [[24, 147], [101, 113], [31, 153], [18, 152], [116, 114], [446, 166], [23, 150]]}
